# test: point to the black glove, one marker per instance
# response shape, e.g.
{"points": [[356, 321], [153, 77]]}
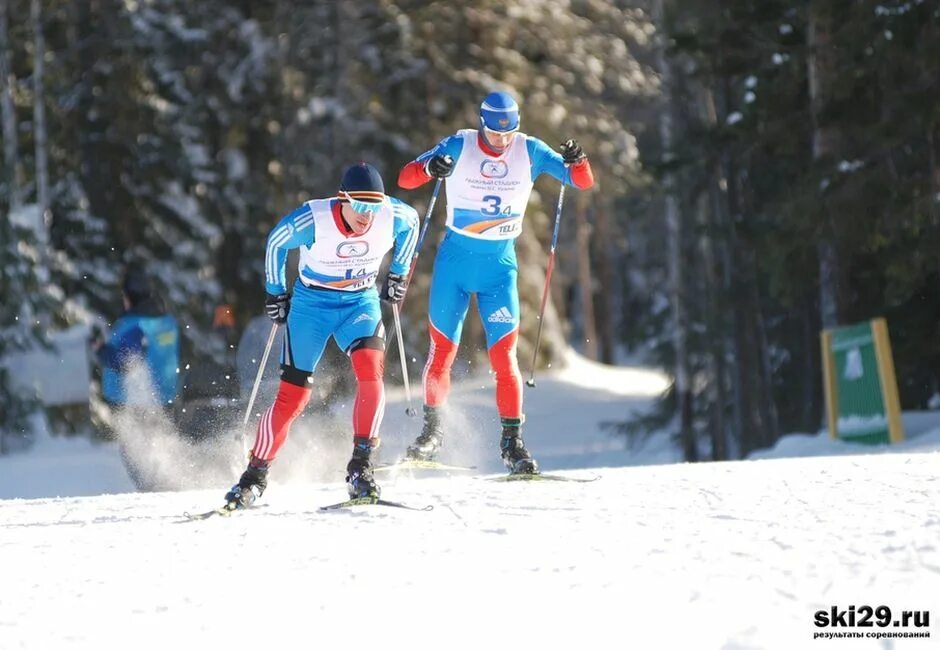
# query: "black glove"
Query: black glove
{"points": [[395, 288], [440, 166], [277, 307], [571, 152]]}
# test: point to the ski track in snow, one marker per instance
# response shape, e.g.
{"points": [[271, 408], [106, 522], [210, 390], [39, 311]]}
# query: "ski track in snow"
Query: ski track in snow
{"points": [[716, 555]]}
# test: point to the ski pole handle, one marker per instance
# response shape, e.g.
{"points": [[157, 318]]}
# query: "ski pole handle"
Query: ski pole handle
{"points": [[427, 221], [561, 199]]}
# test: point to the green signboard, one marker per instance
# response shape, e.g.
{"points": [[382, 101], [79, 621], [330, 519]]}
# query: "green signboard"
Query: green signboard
{"points": [[861, 391]]}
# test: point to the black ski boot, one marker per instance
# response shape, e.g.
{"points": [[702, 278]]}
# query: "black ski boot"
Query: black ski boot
{"points": [[515, 455], [429, 442], [359, 479], [250, 486]]}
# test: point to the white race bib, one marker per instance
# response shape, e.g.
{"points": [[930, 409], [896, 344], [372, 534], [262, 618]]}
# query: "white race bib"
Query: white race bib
{"points": [[336, 261], [487, 195]]}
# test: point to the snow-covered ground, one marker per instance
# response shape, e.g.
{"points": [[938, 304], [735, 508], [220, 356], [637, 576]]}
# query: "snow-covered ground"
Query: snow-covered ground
{"points": [[663, 555]]}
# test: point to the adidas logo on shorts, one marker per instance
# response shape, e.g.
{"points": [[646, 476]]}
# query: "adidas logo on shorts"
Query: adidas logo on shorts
{"points": [[501, 315], [362, 317]]}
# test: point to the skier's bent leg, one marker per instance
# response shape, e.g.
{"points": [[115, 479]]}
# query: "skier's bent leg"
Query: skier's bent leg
{"points": [[436, 379], [367, 356], [448, 300], [505, 366], [272, 431], [368, 361], [292, 396], [509, 403], [436, 375]]}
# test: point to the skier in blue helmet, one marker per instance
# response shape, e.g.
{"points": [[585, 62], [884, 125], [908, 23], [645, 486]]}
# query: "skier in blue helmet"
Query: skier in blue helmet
{"points": [[489, 172]]}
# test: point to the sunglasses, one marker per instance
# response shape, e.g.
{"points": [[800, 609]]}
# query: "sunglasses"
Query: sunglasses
{"points": [[363, 207]]}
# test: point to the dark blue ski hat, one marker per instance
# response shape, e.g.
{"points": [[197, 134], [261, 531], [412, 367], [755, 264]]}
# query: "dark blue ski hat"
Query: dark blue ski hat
{"points": [[137, 285], [363, 183]]}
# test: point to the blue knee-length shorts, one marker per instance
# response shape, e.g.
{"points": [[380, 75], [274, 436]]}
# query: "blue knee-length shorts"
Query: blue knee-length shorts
{"points": [[316, 315], [466, 266]]}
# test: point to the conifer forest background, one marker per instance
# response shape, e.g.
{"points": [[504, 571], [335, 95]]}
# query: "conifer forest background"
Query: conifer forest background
{"points": [[765, 169]]}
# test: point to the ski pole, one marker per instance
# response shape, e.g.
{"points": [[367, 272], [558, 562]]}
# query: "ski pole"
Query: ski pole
{"points": [[548, 278], [254, 389], [410, 410]]}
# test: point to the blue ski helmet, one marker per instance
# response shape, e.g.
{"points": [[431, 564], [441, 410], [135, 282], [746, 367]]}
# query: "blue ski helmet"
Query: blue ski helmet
{"points": [[499, 112]]}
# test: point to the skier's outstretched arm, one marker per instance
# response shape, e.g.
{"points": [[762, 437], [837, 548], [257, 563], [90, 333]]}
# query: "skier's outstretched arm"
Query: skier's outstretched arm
{"points": [[293, 231], [570, 167], [418, 172], [406, 236], [406, 240]]}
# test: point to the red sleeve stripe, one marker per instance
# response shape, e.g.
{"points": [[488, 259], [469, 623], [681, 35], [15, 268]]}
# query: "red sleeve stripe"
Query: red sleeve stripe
{"points": [[581, 175], [412, 175]]}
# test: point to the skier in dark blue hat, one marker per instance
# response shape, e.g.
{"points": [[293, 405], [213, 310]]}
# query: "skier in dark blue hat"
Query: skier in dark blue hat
{"points": [[342, 241]]}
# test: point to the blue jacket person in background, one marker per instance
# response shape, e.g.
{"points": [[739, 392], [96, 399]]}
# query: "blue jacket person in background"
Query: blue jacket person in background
{"points": [[145, 333]]}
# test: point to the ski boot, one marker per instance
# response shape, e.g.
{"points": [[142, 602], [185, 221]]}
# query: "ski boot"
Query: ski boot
{"points": [[427, 444], [359, 479], [250, 486], [515, 455]]}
